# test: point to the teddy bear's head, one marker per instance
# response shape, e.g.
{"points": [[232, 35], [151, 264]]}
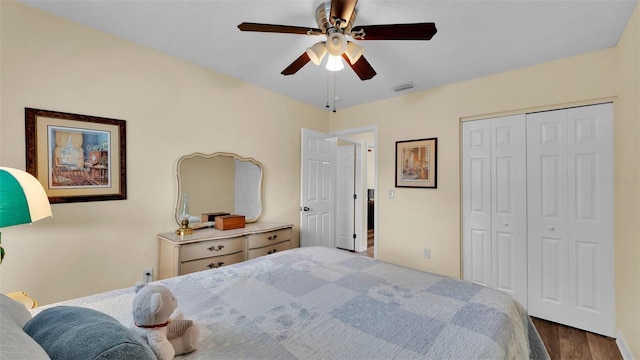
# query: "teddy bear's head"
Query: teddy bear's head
{"points": [[153, 305]]}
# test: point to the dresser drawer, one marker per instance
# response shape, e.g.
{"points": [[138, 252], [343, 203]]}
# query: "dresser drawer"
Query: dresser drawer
{"points": [[205, 249], [268, 238], [282, 246], [210, 263]]}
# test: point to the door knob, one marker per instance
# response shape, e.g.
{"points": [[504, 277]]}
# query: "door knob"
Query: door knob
{"points": [[551, 228], [506, 224], [304, 208]]}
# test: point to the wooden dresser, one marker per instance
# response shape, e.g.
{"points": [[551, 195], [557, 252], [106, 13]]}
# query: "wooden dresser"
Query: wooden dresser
{"points": [[210, 248]]}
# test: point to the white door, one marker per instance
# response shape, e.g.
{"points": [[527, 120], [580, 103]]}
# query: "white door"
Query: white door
{"points": [[509, 205], [494, 204], [345, 201], [476, 201], [317, 189], [570, 217]]}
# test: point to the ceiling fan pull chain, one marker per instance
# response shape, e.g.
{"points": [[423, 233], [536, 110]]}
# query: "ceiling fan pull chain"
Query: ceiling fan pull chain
{"points": [[327, 106], [334, 91]]}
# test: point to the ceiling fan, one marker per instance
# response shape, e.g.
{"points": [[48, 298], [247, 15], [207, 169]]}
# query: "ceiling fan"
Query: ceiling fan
{"points": [[335, 20]]}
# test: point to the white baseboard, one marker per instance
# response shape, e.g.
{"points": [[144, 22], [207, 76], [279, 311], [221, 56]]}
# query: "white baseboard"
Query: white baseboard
{"points": [[622, 346]]}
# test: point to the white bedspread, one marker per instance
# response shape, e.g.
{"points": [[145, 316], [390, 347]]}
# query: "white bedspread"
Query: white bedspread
{"points": [[322, 303]]}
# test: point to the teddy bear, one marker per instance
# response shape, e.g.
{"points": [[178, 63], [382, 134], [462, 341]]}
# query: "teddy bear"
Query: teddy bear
{"points": [[160, 324]]}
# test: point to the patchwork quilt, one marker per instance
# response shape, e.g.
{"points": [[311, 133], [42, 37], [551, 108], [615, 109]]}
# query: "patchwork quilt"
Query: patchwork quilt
{"points": [[322, 303]]}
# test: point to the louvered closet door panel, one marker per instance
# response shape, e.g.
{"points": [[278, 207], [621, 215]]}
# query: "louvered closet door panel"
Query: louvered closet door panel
{"points": [[476, 183], [590, 209], [509, 205], [547, 215]]}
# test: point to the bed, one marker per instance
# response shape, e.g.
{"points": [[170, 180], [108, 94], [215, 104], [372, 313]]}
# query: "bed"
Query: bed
{"points": [[322, 303]]}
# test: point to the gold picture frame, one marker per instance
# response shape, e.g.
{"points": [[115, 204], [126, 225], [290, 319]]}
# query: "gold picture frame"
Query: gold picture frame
{"points": [[416, 163], [76, 158]]}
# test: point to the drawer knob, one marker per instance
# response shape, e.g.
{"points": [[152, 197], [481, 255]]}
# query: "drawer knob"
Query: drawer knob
{"points": [[214, 266], [272, 237], [272, 251], [216, 248]]}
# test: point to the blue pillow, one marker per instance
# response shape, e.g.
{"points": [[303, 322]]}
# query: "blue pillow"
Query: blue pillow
{"points": [[69, 332]]}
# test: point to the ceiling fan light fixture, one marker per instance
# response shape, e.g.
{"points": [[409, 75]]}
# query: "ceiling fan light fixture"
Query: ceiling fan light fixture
{"points": [[317, 52], [354, 52], [336, 44], [334, 63]]}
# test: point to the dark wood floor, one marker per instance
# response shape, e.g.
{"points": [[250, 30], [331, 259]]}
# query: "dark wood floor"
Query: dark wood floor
{"points": [[564, 342]]}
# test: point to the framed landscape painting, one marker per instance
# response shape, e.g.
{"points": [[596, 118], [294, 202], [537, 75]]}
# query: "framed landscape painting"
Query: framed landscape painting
{"points": [[416, 163], [76, 157]]}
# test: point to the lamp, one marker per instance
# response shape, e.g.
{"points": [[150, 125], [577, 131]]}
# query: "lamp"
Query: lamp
{"points": [[334, 63], [354, 52], [184, 228], [22, 200], [316, 52], [336, 44]]}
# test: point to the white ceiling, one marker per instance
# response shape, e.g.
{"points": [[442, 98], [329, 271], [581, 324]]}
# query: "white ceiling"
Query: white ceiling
{"points": [[474, 39]]}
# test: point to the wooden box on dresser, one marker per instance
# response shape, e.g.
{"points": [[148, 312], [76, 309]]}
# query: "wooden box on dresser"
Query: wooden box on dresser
{"points": [[210, 248]]}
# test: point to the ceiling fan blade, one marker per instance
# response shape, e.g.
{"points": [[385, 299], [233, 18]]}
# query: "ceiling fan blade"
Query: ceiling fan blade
{"points": [[342, 9], [362, 68], [297, 64], [282, 29], [416, 31]]}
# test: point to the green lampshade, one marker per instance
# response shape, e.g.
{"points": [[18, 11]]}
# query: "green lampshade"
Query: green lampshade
{"points": [[22, 198]]}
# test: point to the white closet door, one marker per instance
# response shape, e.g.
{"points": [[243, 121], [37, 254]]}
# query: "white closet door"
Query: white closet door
{"points": [[494, 204], [590, 209], [547, 215], [570, 217], [509, 205], [476, 189]]}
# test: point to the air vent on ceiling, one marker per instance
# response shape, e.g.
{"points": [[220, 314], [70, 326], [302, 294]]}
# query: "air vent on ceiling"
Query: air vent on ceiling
{"points": [[403, 87]]}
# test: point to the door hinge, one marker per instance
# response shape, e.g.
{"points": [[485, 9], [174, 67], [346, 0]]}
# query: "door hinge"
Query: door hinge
{"points": [[355, 196], [354, 236]]}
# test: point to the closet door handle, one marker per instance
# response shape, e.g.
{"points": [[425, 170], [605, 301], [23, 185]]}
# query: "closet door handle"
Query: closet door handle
{"points": [[505, 224], [551, 228]]}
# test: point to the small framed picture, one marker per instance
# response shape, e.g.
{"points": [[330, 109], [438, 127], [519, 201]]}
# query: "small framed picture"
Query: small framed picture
{"points": [[416, 163]]}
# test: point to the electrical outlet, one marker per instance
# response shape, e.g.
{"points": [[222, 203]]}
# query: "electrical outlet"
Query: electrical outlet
{"points": [[426, 252], [147, 275]]}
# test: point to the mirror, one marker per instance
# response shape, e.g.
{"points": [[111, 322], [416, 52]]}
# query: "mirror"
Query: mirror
{"points": [[219, 182]]}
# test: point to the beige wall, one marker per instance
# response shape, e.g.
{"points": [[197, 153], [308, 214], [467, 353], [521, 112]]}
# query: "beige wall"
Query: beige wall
{"points": [[172, 108], [627, 185], [419, 218]]}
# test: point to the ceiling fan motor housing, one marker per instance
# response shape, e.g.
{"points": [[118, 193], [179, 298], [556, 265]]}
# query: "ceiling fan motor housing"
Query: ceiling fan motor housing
{"points": [[323, 19]]}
